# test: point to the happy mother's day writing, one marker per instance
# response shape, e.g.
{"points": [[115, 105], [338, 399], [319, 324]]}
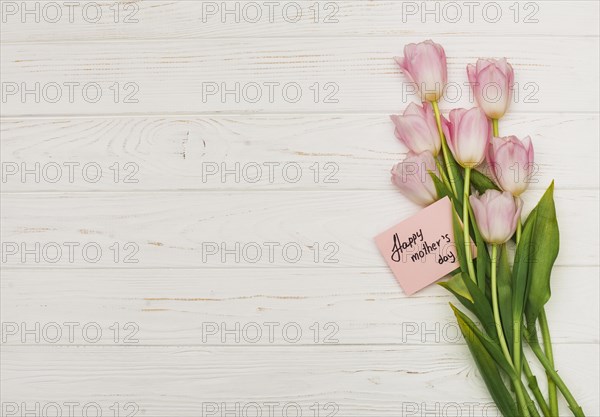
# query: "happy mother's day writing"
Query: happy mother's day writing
{"points": [[416, 248]]}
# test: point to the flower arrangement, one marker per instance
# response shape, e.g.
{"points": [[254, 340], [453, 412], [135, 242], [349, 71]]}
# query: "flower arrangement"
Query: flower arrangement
{"points": [[507, 299]]}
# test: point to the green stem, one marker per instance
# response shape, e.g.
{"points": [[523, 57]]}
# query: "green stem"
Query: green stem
{"points": [[495, 305], [552, 391], [530, 404], [516, 381], [517, 347], [539, 353], [517, 343], [495, 126], [445, 150], [521, 397], [537, 393], [519, 230], [467, 233], [442, 174]]}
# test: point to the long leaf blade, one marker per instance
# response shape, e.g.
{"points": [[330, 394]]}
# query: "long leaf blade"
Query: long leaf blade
{"points": [[491, 346], [505, 296], [481, 182], [520, 282], [544, 250], [489, 371], [458, 239]]}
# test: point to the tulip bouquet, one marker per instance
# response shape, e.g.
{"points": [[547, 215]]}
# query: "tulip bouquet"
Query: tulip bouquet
{"points": [[484, 175]]}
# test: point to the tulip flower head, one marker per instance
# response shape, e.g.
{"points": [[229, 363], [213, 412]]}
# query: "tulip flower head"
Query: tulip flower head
{"points": [[412, 177], [425, 65], [417, 129], [492, 82], [468, 133], [511, 163], [496, 214]]}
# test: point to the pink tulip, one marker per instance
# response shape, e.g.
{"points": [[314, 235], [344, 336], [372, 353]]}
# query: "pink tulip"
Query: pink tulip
{"points": [[492, 82], [425, 65], [511, 163], [413, 179], [496, 214], [468, 133], [417, 129]]}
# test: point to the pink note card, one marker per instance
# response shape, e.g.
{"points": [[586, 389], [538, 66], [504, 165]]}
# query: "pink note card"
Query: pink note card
{"points": [[421, 249]]}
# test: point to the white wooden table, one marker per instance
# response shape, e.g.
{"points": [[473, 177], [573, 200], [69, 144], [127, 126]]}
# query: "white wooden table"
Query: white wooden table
{"points": [[189, 198]]}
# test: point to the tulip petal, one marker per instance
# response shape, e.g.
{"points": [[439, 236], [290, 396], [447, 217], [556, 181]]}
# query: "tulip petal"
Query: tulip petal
{"points": [[480, 216], [492, 82], [472, 74], [425, 65], [413, 179]]}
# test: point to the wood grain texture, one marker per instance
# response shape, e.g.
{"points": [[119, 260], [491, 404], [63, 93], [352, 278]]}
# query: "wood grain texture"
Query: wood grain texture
{"points": [[157, 290], [238, 229], [177, 381], [220, 307], [269, 153], [155, 19], [353, 74]]}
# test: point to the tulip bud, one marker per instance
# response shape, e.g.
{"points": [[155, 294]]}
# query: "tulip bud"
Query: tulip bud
{"points": [[468, 133], [417, 129], [413, 179], [511, 163], [492, 82], [425, 65], [496, 214]]}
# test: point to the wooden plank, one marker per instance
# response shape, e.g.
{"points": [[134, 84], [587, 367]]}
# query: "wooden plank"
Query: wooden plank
{"points": [[361, 380], [235, 229], [278, 76], [163, 318], [51, 21], [252, 307], [257, 153]]}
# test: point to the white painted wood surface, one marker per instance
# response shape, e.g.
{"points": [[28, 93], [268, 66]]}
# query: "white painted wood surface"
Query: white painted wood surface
{"points": [[349, 152], [364, 346], [365, 303], [161, 20], [271, 229], [362, 380], [275, 75]]}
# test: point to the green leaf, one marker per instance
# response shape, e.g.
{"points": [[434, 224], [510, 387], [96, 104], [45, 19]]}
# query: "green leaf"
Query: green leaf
{"points": [[490, 345], [543, 252], [489, 370], [520, 281], [456, 172], [458, 239], [441, 188], [482, 262], [483, 257], [470, 296], [482, 182], [482, 307], [457, 287], [505, 295], [442, 191]]}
